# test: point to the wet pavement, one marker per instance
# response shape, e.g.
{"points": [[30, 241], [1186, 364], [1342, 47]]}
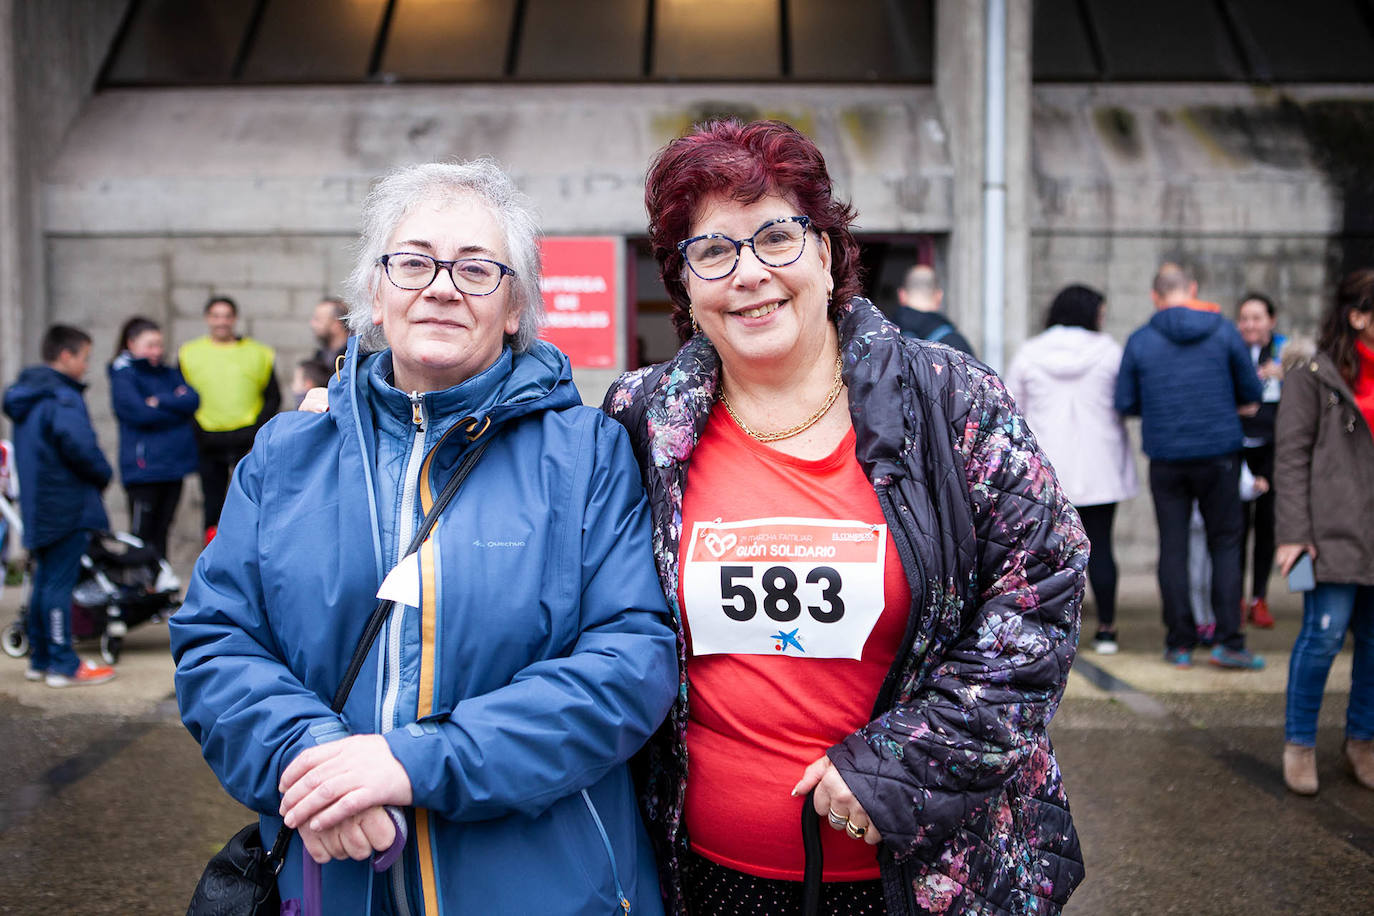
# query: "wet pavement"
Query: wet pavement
{"points": [[107, 808]]}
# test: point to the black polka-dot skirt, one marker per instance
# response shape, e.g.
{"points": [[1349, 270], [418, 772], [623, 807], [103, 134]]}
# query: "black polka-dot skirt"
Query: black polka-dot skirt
{"points": [[714, 890]]}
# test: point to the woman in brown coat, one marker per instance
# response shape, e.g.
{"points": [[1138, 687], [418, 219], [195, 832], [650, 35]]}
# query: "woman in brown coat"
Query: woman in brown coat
{"points": [[1325, 483]]}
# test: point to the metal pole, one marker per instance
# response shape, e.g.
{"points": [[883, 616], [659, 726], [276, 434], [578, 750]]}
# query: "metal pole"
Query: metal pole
{"points": [[995, 183]]}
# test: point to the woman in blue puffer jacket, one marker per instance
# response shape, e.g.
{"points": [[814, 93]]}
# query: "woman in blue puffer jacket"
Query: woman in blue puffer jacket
{"points": [[530, 654], [157, 439]]}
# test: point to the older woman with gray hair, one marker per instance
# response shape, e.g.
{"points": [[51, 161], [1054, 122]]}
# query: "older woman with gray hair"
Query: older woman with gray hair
{"points": [[527, 654]]}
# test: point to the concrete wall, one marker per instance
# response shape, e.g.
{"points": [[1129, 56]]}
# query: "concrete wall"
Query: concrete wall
{"points": [[299, 160]]}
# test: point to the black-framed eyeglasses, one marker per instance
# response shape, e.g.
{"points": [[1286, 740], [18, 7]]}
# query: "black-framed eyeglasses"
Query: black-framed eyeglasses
{"points": [[471, 276], [776, 243]]}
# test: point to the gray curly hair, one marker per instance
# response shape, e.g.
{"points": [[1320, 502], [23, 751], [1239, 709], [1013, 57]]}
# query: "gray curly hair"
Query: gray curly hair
{"points": [[405, 188]]}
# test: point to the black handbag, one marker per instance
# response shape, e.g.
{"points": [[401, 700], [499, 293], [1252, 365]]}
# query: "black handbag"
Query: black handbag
{"points": [[241, 879]]}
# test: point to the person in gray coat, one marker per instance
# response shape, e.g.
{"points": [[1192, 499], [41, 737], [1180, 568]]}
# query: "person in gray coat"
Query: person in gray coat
{"points": [[1325, 482]]}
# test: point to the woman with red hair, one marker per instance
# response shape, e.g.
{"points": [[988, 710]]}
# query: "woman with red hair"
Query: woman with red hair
{"points": [[876, 576]]}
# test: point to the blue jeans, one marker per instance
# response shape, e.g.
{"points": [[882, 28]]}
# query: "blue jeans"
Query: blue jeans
{"points": [[50, 609], [1327, 612]]}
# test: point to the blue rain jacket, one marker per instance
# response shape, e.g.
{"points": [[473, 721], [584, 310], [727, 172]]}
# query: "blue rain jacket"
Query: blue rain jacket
{"points": [[61, 467], [539, 660], [156, 444]]}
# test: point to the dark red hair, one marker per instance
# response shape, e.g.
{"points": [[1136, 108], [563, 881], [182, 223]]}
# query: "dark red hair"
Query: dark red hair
{"points": [[745, 162]]}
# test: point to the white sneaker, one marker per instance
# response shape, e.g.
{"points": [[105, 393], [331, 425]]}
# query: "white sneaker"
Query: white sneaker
{"points": [[167, 580], [1105, 644], [34, 674]]}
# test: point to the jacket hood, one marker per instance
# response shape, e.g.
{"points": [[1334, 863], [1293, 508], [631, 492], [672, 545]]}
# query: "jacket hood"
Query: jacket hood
{"points": [[1297, 352], [1068, 352], [540, 379], [1185, 325], [34, 385]]}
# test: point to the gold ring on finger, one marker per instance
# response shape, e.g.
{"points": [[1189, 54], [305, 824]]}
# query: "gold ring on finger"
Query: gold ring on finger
{"points": [[838, 821], [856, 832]]}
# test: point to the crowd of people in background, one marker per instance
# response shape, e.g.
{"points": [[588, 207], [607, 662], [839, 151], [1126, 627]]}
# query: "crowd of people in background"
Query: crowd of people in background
{"points": [[196, 414], [1266, 443]]}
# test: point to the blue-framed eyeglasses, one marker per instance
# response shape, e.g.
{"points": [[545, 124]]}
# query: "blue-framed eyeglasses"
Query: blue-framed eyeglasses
{"points": [[471, 276], [776, 243]]}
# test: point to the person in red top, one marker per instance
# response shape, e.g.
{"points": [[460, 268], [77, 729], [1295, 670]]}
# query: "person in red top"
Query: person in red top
{"points": [[803, 543], [1325, 482], [878, 576]]}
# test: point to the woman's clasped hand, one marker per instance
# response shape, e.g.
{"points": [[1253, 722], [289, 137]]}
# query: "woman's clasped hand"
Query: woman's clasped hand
{"points": [[335, 795]]}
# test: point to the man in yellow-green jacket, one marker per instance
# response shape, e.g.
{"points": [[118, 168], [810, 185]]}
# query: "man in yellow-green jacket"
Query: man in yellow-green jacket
{"points": [[236, 379]]}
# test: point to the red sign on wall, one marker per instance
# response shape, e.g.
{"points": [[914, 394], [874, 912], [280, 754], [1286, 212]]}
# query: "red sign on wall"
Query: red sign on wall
{"points": [[581, 284]]}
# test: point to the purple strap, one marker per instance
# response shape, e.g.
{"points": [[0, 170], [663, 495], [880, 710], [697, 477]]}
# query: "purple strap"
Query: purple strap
{"points": [[312, 900], [382, 861], [312, 904]]}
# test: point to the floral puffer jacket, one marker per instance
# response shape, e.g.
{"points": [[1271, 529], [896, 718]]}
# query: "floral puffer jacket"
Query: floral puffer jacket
{"points": [[956, 768]]}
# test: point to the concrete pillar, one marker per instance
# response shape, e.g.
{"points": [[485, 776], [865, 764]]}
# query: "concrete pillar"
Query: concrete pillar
{"points": [[959, 95], [1020, 315], [12, 201], [50, 56], [960, 92]]}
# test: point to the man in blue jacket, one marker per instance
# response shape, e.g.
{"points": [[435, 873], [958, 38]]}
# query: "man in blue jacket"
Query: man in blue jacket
{"points": [[61, 474], [1187, 375]]}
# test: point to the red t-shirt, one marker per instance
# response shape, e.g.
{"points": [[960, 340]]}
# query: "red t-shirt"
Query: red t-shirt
{"points": [[1364, 384], [795, 604]]}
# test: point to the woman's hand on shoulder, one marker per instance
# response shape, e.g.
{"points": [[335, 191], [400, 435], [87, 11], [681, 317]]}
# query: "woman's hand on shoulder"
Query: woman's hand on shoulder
{"points": [[330, 783], [316, 401], [835, 803]]}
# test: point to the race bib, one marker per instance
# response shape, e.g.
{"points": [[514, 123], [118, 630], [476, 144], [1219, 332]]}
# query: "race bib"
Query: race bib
{"points": [[807, 588]]}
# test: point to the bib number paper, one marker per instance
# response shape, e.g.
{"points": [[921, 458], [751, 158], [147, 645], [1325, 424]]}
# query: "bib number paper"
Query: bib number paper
{"points": [[806, 588], [402, 584]]}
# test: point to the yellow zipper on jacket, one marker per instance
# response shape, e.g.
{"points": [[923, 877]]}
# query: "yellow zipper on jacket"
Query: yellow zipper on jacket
{"points": [[426, 852]]}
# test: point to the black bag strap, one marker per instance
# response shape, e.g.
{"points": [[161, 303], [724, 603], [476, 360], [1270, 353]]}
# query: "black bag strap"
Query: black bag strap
{"points": [[277, 857], [811, 844], [378, 619]]}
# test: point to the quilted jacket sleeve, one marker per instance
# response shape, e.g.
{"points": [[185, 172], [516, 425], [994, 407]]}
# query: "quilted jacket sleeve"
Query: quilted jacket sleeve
{"points": [[978, 712], [1126, 398]]}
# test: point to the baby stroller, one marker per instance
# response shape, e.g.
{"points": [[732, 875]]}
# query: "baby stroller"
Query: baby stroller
{"points": [[10, 523], [123, 583]]}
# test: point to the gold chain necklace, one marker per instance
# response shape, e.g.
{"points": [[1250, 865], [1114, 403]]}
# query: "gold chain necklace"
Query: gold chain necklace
{"points": [[801, 427]]}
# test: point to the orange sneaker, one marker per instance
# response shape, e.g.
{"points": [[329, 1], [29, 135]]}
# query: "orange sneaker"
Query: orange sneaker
{"points": [[88, 674], [1257, 612]]}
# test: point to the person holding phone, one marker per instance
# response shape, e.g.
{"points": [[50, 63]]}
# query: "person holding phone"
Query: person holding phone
{"points": [[1324, 477]]}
